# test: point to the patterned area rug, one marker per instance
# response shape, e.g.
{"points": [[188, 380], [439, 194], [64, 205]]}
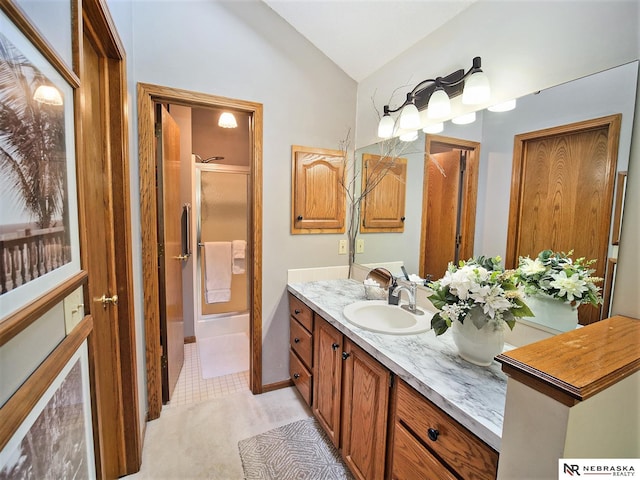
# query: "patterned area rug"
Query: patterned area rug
{"points": [[300, 450]]}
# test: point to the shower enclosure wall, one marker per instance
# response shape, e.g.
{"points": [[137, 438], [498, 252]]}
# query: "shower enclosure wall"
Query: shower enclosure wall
{"points": [[221, 216]]}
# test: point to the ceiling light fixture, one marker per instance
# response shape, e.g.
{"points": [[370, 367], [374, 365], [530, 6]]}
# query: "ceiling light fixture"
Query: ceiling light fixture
{"points": [[227, 120], [48, 94], [434, 94]]}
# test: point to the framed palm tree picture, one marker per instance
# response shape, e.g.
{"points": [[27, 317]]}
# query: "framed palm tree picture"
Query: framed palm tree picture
{"points": [[39, 243]]}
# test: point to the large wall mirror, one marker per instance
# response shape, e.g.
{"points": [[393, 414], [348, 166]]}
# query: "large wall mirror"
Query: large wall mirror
{"points": [[601, 94]]}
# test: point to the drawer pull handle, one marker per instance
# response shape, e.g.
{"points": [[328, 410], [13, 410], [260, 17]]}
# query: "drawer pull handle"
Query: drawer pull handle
{"points": [[433, 434], [296, 340], [335, 346], [296, 376], [297, 312], [345, 355]]}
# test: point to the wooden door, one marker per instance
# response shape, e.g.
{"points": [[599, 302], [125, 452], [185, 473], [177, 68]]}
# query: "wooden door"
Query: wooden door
{"points": [[385, 180], [327, 374], [103, 191], [365, 405], [444, 171], [170, 252], [562, 194], [448, 203]]}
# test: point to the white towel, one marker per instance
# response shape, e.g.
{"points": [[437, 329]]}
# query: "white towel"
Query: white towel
{"points": [[238, 248], [217, 271]]}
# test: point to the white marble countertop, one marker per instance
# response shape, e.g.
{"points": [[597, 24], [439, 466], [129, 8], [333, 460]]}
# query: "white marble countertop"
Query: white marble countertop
{"points": [[474, 396]]}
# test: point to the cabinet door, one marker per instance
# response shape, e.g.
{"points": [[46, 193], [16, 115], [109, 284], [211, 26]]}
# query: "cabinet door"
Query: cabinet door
{"points": [[385, 179], [318, 191], [327, 365], [365, 404]]}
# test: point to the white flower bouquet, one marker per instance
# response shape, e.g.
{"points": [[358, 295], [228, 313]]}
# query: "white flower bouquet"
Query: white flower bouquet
{"points": [[556, 275], [478, 290]]}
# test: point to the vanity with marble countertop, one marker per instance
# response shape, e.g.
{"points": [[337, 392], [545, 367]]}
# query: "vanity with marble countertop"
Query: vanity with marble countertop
{"points": [[472, 395]]}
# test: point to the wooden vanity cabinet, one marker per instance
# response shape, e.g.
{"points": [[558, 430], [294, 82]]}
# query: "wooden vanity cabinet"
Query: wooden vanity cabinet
{"points": [[428, 444], [350, 400], [301, 347]]}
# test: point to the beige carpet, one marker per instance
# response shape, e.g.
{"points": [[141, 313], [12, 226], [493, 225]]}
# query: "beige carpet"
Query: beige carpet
{"points": [[298, 450], [200, 441], [223, 355]]}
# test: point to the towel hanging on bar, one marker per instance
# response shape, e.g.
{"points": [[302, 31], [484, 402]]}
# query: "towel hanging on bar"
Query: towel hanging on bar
{"points": [[238, 254]]}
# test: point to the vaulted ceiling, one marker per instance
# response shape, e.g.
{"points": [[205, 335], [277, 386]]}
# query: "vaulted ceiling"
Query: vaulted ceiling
{"points": [[361, 36]]}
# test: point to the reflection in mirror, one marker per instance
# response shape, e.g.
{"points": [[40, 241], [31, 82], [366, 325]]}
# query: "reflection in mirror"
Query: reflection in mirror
{"points": [[605, 93]]}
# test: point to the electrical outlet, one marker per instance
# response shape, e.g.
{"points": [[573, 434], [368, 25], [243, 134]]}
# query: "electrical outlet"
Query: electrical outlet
{"points": [[360, 245], [342, 247]]}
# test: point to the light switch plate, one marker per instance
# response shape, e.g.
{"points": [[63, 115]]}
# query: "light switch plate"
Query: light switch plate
{"points": [[360, 245], [342, 247]]}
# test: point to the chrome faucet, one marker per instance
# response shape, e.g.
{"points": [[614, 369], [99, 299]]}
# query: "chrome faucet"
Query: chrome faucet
{"points": [[411, 293]]}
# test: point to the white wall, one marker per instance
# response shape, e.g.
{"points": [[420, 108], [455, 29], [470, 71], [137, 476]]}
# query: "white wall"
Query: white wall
{"points": [[244, 50]]}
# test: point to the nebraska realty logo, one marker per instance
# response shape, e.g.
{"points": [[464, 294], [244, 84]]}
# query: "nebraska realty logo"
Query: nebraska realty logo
{"points": [[594, 468]]}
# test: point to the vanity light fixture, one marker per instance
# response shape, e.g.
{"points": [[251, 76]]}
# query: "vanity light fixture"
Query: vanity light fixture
{"points": [[434, 128], [227, 120], [465, 119], [434, 94], [48, 94], [503, 107], [409, 136]]}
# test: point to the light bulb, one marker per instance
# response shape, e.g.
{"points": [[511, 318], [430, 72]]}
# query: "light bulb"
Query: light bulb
{"points": [[464, 119], [476, 89], [409, 136], [439, 105], [385, 127], [227, 120], [48, 95], [503, 107], [434, 128], [410, 117]]}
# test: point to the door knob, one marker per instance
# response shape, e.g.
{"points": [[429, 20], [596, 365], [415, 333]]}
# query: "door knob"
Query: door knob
{"points": [[181, 257], [108, 300]]}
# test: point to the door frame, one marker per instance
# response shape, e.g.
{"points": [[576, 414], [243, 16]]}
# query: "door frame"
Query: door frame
{"points": [[470, 186], [95, 18], [148, 96]]}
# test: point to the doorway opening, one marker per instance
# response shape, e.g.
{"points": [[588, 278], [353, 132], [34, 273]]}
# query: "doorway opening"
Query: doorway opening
{"points": [[448, 204], [209, 163]]}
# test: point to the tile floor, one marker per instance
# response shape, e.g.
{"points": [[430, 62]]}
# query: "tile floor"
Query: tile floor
{"points": [[192, 388]]}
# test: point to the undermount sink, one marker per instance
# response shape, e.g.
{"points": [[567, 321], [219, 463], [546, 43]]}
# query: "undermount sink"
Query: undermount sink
{"points": [[378, 316]]}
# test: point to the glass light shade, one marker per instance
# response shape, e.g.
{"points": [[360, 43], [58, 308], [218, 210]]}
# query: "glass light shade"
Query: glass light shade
{"points": [[464, 119], [385, 127], [410, 117], [48, 95], [435, 128], [476, 89], [503, 107], [409, 136], [439, 105], [227, 120]]}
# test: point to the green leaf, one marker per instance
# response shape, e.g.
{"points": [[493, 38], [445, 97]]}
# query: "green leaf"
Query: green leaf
{"points": [[439, 324], [439, 297], [523, 311]]}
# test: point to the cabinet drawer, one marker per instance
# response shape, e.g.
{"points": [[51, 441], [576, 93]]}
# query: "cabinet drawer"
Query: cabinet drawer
{"points": [[462, 451], [301, 377], [411, 460], [301, 312], [301, 342]]}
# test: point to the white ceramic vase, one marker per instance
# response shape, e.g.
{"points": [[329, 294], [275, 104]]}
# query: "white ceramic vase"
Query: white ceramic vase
{"points": [[552, 312], [478, 346]]}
